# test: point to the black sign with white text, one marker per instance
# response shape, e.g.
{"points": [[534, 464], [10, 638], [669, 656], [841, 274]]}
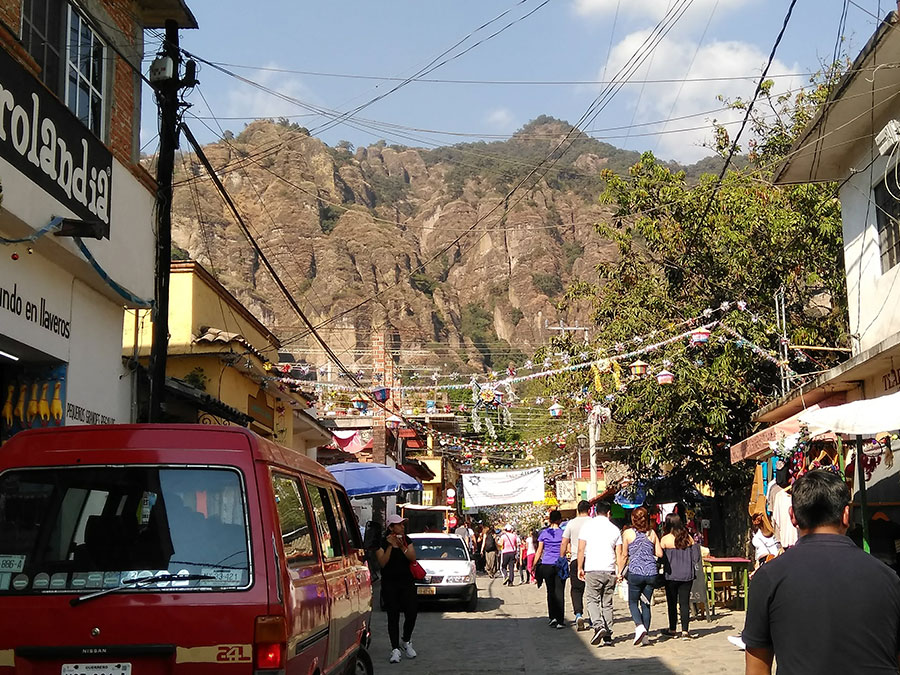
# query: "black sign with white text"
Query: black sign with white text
{"points": [[44, 140]]}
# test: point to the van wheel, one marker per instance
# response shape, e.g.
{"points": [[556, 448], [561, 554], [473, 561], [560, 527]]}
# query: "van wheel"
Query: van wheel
{"points": [[363, 664], [472, 604]]}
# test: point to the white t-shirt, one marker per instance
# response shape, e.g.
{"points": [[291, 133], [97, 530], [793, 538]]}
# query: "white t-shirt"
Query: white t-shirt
{"points": [[781, 518], [600, 539], [764, 545], [571, 532]]}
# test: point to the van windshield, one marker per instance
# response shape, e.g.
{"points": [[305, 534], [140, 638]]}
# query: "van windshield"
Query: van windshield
{"points": [[76, 529]]}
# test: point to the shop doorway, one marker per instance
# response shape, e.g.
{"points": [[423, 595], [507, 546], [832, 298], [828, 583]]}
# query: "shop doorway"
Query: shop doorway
{"points": [[32, 389]]}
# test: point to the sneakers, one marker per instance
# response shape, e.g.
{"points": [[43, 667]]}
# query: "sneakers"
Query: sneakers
{"points": [[639, 633], [737, 642], [600, 634], [687, 636], [408, 648], [553, 623], [645, 640], [395, 656], [607, 641], [560, 626], [579, 622]]}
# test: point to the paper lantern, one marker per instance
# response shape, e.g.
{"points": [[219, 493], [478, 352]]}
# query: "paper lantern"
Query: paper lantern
{"points": [[665, 377], [700, 336], [639, 368], [484, 461], [360, 403], [381, 394], [555, 410], [393, 422]]}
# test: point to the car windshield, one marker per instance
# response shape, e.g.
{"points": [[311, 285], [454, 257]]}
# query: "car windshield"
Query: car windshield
{"points": [[439, 549], [77, 529]]}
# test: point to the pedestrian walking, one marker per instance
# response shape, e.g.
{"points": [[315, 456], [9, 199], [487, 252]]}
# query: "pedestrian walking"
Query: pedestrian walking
{"points": [[641, 550], [600, 561], [531, 545], [823, 606], [489, 550], [522, 560], [398, 589], [547, 555], [570, 549], [509, 546], [680, 556], [463, 533]]}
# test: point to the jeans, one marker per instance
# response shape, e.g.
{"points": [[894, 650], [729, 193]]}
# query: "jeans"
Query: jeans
{"points": [[508, 566], [577, 588], [599, 588], [556, 592], [640, 590], [400, 598], [678, 596]]}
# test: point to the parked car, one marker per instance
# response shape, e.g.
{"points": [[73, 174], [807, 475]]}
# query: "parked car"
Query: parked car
{"points": [[449, 567], [176, 549]]}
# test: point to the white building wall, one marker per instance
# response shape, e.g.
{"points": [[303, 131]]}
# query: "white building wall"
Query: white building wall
{"points": [[873, 297]]}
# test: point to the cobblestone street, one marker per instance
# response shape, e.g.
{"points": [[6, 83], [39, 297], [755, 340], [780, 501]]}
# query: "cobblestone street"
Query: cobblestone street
{"points": [[509, 634]]}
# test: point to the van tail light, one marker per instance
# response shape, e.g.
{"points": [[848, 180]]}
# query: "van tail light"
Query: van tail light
{"points": [[269, 642]]}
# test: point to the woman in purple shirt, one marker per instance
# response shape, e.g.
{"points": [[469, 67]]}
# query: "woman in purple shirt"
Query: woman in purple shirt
{"points": [[547, 553]]}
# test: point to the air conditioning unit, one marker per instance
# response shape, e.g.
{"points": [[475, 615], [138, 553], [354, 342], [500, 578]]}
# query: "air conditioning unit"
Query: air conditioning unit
{"points": [[888, 137]]}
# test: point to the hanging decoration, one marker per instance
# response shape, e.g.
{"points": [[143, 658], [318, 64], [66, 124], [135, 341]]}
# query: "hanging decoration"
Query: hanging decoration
{"points": [[639, 368], [665, 377], [555, 410], [700, 336]]}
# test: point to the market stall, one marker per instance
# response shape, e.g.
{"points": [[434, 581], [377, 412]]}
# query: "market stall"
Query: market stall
{"points": [[870, 422]]}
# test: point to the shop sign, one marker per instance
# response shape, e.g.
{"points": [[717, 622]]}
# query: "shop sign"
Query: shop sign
{"points": [[259, 409], [44, 140], [891, 379]]}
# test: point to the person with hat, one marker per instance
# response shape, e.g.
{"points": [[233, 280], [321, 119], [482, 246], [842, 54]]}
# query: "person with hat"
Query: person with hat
{"points": [[398, 588]]}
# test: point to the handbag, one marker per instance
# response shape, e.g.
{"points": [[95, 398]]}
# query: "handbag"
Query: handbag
{"points": [[418, 572]]}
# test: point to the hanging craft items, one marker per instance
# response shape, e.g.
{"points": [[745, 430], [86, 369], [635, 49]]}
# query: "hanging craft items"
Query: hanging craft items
{"points": [[700, 336], [555, 410], [665, 377], [639, 368]]}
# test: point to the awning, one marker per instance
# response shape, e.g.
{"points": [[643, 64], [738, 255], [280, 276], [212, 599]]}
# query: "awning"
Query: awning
{"points": [[348, 440], [859, 418], [416, 469], [759, 445], [372, 479]]}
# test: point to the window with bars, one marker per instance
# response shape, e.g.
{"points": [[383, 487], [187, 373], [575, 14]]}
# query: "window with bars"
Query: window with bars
{"points": [[71, 57], [887, 208]]}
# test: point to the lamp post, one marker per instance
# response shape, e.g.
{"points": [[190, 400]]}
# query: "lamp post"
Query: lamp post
{"points": [[581, 441]]}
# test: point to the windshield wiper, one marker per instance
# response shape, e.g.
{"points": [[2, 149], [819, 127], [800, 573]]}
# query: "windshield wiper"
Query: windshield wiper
{"points": [[143, 581]]}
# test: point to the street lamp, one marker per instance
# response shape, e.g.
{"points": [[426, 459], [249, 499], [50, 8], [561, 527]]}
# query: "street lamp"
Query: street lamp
{"points": [[582, 442]]}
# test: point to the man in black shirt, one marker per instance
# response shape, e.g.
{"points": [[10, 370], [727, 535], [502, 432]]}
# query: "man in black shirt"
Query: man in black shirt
{"points": [[824, 606]]}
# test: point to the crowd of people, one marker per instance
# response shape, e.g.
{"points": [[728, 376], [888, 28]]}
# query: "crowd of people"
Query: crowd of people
{"points": [[594, 557]]}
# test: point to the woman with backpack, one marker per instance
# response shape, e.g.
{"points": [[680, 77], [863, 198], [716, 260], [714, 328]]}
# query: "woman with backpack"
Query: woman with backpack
{"points": [[509, 544]]}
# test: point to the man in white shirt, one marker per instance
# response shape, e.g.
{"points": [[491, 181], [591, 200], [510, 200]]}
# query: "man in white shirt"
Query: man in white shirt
{"points": [[600, 561], [570, 544]]}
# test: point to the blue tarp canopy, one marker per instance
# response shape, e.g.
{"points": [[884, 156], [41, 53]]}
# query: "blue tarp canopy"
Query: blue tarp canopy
{"points": [[368, 480]]}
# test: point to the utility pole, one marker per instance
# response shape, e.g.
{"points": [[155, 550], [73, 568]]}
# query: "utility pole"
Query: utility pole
{"points": [[165, 76], [563, 328]]}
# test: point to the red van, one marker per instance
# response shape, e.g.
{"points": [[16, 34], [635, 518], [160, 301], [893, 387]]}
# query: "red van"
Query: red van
{"points": [[151, 549]]}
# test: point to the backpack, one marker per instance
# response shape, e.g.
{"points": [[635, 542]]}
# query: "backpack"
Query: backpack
{"points": [[490, 544]]}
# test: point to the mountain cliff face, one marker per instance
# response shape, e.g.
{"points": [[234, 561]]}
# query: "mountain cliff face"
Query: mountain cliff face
{"points": [[343, 227]]}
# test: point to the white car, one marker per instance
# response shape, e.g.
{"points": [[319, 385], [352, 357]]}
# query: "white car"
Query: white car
{"points": [[449, 568]]}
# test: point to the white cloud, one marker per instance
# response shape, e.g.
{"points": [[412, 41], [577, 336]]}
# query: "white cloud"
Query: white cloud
{"points": [[651, 9], [500, 119], [245, 100], [662, 101]]}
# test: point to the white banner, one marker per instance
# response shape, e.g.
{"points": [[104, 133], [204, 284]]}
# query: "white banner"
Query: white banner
{"points": [[504, 487]]}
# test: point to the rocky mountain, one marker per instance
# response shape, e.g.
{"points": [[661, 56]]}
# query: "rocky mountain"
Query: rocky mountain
{"points": [[419, 242]]}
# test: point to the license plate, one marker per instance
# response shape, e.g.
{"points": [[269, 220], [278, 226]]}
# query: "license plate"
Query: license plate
{"points": [[96, 669], [425, 590]]}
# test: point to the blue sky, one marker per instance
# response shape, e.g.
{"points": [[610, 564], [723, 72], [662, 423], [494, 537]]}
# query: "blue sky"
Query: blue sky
{"points": [[566, 40]]}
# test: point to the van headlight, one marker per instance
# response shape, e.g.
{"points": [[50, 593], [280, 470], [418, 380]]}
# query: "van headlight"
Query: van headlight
{"points": [[462, 579]]}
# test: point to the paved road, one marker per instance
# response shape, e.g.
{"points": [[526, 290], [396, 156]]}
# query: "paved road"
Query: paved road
{"points": [[509, 634]]}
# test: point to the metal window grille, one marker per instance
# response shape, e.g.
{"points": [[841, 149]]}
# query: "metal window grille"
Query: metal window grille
{"points": [[888, 219], [71, 57]]}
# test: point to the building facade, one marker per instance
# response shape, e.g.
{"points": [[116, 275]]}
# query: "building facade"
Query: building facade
{"points": [[69, 148], [221, 364]]}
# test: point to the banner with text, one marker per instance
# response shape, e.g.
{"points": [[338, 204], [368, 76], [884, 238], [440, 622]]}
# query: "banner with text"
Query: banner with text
{"points": [[503, 487]]}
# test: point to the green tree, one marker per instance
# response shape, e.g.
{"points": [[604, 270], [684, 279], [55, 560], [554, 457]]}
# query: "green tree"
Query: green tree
{"points": [[684, 248]]}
